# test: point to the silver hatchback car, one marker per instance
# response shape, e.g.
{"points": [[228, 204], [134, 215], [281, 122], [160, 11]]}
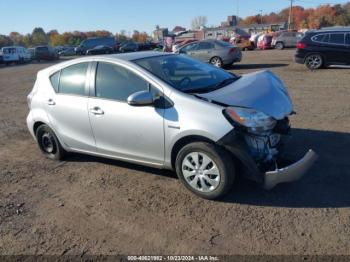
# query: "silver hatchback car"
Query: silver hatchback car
{"points": [[167, 111]]}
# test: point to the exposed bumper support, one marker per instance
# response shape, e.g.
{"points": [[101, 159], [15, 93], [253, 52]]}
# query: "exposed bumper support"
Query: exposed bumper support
{"points": [[290, 173]]}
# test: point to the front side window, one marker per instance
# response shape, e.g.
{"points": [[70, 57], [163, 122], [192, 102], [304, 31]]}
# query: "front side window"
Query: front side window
{"points": [[72, 79], [188, 48], [117, 83], [186, 74], [336, 39], [347, 40]]}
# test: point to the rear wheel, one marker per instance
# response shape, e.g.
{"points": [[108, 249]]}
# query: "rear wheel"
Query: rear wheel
{"points": [[314, 61], [205, 169], [48, 143], [216, 61]]}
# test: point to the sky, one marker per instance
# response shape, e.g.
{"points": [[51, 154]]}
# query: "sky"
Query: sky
{"points": [[116, 15]]}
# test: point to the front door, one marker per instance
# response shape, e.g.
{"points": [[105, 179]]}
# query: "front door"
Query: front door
{"points": [[121, 130], [67, 107]]}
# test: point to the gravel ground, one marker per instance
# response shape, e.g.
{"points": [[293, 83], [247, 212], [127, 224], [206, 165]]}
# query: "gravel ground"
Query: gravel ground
{"points": [[88, 205]]}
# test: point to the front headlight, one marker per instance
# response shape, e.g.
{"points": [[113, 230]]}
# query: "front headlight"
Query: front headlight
{"points": [[250, 118]]}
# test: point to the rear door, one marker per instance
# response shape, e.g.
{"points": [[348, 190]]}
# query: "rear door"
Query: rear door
{"points": [[337, 49], [204, 51], [67, 107]]}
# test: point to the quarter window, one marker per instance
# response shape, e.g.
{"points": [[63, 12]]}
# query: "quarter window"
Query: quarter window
{"points": [[72, 80], [117, 83], [55, 79], [336, 39]]}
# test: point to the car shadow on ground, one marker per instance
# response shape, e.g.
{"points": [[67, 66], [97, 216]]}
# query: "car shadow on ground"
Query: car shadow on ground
{"points": [[326, 185], [254, 66], [76, 157]]}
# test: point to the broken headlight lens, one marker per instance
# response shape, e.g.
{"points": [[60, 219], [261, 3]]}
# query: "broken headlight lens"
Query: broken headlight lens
{"points": [[250, 118]]}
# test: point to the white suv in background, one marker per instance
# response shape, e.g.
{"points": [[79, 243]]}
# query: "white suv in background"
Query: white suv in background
{"points": [[15, 54]]}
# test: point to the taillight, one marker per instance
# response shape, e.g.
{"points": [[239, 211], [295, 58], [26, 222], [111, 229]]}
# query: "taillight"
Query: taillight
{"points": [[301, 45]]}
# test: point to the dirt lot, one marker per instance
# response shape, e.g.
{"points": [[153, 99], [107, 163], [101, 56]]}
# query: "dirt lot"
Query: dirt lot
{"points": [[88, 205]]}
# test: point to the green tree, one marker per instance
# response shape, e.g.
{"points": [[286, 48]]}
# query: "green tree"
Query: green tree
{"points": [[5, 41], [39, 37]]}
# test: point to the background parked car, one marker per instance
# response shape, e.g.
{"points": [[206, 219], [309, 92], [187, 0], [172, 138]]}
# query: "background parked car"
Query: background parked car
{"points": [[129, 47], [265, 42], [1, 59], [101, 49], [286, 39], [15, 54], [91, 43], [68, 51], [45, 53], [322, 48], [215, 52], [243, 43]]}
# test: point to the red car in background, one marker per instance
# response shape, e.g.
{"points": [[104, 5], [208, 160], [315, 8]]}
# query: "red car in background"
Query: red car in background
{"points": [[265, 42]]}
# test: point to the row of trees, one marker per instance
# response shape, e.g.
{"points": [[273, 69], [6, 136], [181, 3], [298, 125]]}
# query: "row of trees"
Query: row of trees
{"points": [[323, 16], [54, 38]]}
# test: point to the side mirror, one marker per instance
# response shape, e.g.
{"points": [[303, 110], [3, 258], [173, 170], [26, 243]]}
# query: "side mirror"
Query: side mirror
{"points": [[142, 98]]}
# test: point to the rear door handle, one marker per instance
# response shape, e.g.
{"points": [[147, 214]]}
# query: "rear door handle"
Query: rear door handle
{"points": [[96, 111], [50, 102]]}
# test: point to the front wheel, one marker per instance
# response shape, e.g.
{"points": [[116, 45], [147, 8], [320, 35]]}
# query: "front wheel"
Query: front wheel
{"points": [[48, 143], [314, 61], [279, 46], [216, 61], [205, 169]]}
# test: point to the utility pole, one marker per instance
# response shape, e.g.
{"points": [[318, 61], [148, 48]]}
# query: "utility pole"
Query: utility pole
{"points": [[261, 17], [290, 19]]}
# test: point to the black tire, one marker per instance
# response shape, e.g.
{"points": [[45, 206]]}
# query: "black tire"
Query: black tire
{"points": [[314, 61], [279, 46], [49, 144], [222, 160], [216, 61]]}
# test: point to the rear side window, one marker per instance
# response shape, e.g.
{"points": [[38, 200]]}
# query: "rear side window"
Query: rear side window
{"points": [[72, 79], [55, 79], [336, 39], [117, 83], [347, 40]]}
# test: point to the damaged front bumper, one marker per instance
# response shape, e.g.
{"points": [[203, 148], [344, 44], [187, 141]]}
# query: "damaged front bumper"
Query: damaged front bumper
{"points": [[267, 178], [290, 173]]}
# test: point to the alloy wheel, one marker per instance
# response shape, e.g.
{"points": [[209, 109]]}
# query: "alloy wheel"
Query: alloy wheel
{"points": [[216, 61], [200, 172], [314, 61]]}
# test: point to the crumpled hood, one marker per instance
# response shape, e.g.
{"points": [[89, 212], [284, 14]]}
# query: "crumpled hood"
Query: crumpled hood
{"points": [[262, 91]]}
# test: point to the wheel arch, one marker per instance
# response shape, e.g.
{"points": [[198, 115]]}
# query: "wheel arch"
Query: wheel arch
{"points": [[324, 62], [183, 141]]}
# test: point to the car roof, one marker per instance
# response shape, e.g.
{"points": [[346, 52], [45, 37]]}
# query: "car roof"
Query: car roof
{"points": [[129, 57], [136, 55], [328, 31]]}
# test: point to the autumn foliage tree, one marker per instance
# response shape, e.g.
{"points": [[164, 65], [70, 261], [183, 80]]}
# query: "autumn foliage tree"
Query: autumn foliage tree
{"points": [[322, 16]]}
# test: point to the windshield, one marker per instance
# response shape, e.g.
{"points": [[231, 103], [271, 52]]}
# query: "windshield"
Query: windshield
{"points": [[9, 50], [186, 74]]}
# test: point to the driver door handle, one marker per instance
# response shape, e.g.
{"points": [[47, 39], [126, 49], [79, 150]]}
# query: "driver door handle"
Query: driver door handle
{"points": [[96, 111]]}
